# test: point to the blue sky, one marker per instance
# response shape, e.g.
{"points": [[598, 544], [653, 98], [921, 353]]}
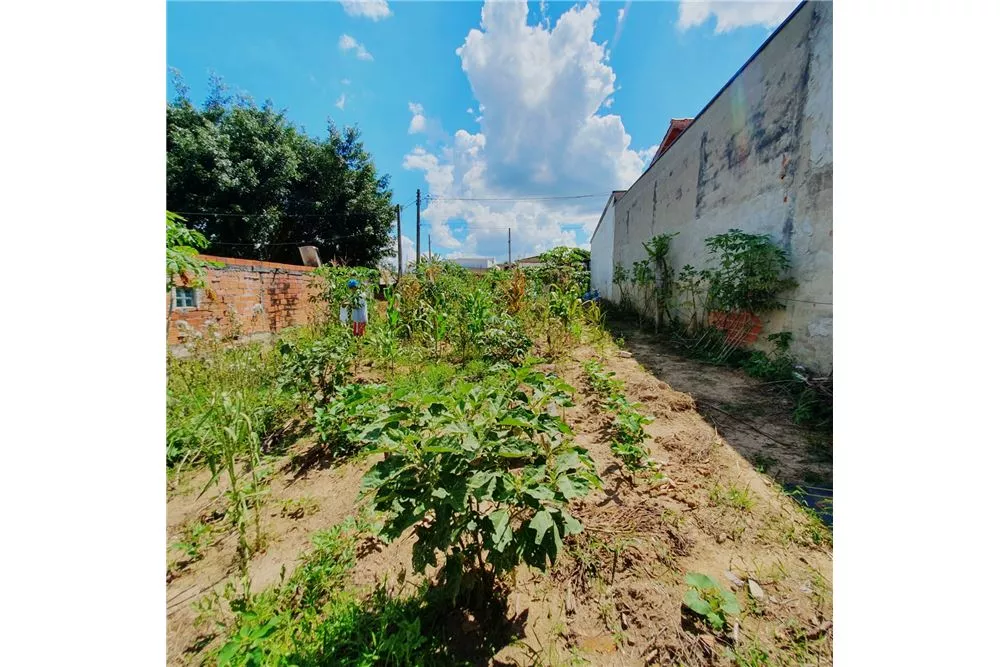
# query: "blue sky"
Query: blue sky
{"points": [[488, 109]]}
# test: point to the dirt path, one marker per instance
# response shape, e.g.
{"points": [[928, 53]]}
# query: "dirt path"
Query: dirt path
{"points": [[615, 596], [755, 420]]}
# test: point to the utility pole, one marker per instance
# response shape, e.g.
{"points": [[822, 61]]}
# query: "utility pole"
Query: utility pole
{"points": [[508, 248], [418, 226], [399, 242]]}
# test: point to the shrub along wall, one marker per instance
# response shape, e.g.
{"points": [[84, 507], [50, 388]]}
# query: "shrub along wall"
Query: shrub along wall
{"points": [[243, 297]]}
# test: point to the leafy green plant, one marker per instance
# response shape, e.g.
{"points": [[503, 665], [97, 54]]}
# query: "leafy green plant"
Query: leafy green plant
{"points": [[689, 291], [183, 263], [750, 273], [621, 279], [232, 444], [213, 367], [314, 619], [565, 266], [482, 473], [708, 599], [629, 434], [311, 367], [503, 340], [193, 540], [341, 417], [560, 313], [644, 281], [658, 250], [387, 334]]}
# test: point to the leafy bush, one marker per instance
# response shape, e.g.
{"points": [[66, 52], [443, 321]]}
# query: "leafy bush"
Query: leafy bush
{"points": [[750, 273], [311, 366], [711, 601], [503, 340], [480, 469], [339, 420]]}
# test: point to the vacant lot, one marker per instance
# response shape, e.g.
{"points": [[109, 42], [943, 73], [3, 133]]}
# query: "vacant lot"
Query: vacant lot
{"points": [[526, 492]]}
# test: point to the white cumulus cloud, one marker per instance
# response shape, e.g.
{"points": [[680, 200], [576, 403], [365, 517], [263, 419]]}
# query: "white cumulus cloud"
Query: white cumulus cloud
{"points": [[409, 254], [376, 10], [732, 14], [341, 101], [620, 24], [348, 43], [541, 135], [417, 123]]}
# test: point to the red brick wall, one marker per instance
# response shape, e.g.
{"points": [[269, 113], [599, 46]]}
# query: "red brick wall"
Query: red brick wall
{"points": [[246, 297], [741, 328]]}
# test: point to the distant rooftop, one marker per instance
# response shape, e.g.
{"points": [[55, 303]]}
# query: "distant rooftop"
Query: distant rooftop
{"points": [[677, 126]]}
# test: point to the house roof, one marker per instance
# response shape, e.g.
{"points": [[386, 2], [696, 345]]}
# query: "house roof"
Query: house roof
{"points": [[677, 126]]}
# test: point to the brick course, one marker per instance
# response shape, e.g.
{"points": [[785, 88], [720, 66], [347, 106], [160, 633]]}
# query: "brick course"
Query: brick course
{"points": [[741, 328], [247, 297]]}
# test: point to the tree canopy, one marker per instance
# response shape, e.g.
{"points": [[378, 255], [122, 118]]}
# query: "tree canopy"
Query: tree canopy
{"points": [[257, 187]]}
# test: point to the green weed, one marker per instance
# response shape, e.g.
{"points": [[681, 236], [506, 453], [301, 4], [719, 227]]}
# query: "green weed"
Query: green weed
{"points": [[737, 498], [711, 601], [629, 434]]}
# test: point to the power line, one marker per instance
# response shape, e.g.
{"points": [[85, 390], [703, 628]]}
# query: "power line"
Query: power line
{"points": [[324, 241], [257, 215], [542, 198]]}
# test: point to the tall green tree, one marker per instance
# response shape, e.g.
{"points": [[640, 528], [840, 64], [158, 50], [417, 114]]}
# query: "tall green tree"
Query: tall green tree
{"points": [[256, 186]]}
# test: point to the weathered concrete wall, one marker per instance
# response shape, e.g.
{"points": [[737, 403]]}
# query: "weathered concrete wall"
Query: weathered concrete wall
{"points": [[245, 297], [601, 249], [759, 158]]}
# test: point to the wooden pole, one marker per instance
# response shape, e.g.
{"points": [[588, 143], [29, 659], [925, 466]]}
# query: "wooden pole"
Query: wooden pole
{"points": [[508, 248], [399, 242], [418, 226]]}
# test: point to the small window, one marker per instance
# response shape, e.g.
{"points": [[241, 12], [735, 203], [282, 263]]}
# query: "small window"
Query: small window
{"points": [[183, 297]]}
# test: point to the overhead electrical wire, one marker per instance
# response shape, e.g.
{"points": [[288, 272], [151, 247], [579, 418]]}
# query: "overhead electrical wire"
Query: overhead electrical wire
{"points": [[516, 199]]}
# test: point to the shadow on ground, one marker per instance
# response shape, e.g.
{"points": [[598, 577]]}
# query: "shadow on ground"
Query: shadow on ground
{"points": [[755, 419]]}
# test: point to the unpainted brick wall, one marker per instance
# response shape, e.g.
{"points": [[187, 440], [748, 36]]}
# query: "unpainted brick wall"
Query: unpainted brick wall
{"points": [[246, 297]]}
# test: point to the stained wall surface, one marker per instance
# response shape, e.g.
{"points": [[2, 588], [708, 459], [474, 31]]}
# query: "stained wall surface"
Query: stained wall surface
{"points": [[245, 297], [759, 158]]}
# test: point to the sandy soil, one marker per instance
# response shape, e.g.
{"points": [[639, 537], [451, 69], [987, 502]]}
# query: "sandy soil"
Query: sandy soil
{"points": [[754, 418], [615, 596]]}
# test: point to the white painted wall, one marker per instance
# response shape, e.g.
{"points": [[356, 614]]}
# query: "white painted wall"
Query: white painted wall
{"points": [[759, 158], [473, 262], [602, 252]]}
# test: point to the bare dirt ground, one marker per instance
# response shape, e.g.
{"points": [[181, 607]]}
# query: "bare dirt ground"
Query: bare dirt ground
{"points": [[614, 597], [755, 419]]}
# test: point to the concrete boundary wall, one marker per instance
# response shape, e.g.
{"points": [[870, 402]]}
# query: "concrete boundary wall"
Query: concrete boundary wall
{"points": [[758, 158]]}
